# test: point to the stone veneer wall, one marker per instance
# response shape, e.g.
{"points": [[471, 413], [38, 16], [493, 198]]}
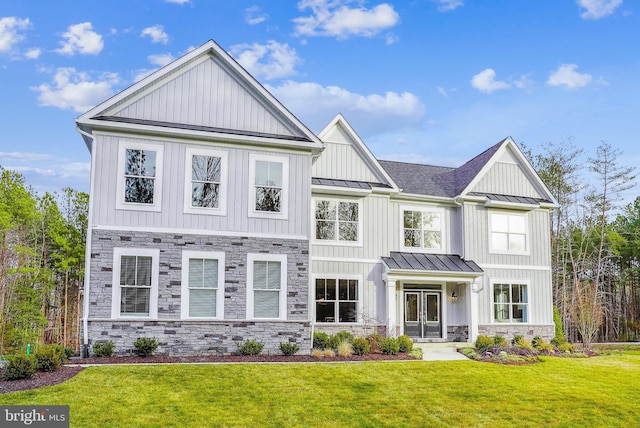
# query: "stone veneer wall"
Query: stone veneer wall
{"points": [[189, 337], [457, 333], [357, 330], [547, 332]]}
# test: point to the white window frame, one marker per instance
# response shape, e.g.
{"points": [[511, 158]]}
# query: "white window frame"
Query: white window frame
{"points": [[335, 242], [511, 283], [337, 277], [221, 209], [283, 214], [527, 233], [123, 146], [116, 288], [423, 209], [184, 300], [282, 303]]}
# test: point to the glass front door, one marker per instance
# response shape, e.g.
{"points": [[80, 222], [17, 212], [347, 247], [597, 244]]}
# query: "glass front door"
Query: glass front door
{"points": [[422, 314]]}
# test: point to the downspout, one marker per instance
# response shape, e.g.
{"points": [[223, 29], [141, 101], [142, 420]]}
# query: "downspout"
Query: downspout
{"points": [[87, 257]]}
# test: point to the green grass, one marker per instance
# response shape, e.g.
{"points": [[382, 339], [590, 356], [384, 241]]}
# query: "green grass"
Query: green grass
{"points": [[599, 391]]}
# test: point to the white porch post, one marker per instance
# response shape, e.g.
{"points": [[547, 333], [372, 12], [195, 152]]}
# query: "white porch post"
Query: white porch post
{"points": [[391, 308], [473, 310]]}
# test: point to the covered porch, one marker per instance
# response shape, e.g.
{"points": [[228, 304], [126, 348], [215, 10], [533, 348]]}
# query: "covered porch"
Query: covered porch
{"points": [[431, 297]]}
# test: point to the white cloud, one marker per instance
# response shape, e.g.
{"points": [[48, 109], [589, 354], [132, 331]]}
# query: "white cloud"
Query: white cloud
{"points": [[80, 38], [447, 5], [596, 9], [272, 60], [160, 59], [24, 156], [567, 76], [33, 53], [156, 33], [9, 32], [316, 105], [442, 91], [486, 82], [334, 18], [254, 15], [75, 90]]}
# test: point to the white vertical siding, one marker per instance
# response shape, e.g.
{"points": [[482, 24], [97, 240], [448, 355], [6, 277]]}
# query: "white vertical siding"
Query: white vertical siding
{"points": [[341, 161], [507, 179]]}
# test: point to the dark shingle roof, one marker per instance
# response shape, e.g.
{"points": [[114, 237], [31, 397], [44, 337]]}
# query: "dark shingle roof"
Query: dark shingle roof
{"points": [[430, 262], [467, 172]]}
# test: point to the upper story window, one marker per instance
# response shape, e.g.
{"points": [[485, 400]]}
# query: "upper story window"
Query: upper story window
{"points": [[267, 286], [422, 229], [202, 284], [140, 176], [510, 303], [135, 282], [337, 221], [269, 178], [205, 181], [508, 232]]}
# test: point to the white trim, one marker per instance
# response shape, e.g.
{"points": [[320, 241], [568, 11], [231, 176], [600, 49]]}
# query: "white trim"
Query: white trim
{"points": [[515, 266], [424, 209], [343, 259], [510, 282], [158, 148], [338, 276], [527, 237], [184, 295], [284, 199], [317, 189], [221, 209], [118, 252], [88, 240], [202, 232], [259, 257], [336, 242]]}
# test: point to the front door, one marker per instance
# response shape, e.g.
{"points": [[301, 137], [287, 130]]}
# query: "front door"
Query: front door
{"points": [[422, 314]]}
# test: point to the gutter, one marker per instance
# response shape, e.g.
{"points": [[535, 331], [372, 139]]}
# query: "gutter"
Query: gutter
{"points": [[87, 257]]}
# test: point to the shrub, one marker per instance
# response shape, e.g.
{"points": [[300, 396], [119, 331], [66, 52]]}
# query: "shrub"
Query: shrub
{"points": [[288, 348], [520, 342], [565, 347], [390, 346], [49, 358], [405, 344], [317, 353], [104, 349], [334, 342], [320, 340], [69, 351], [20, 367], [329, 352], [250, 347], [344, 348], [500, 341], [483, 342], [559, 331], [145, 346], [344, 335], [375, 341], [360, 346]]}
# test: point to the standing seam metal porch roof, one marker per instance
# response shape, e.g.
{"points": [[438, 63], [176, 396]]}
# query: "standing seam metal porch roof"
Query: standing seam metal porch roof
{"points": [[430, 262]]}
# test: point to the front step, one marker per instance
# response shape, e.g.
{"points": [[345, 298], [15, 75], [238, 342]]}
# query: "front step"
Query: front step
{"points": [[442, 345]]}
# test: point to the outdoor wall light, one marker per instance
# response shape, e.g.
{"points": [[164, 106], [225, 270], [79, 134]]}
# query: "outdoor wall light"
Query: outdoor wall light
{"points": [[454, 297]]}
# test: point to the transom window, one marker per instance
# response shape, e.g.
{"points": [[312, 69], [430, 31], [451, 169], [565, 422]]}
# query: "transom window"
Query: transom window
{"points": [[337, 221], [336, 300], [139, 178], [508, 232], [422, 229], [267, 279], [510, 303], [205, 187], [135, 282]]}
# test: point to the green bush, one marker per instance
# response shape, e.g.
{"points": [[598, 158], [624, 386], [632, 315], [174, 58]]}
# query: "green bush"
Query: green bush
{"points": [[334, 342], [20, 367], [500, 341], [145, 346], [375, 341], [344, 335], [360, 346], [250, 347], [104, 349], [390, 346], [565, 347], [559, 331], [320, 340], [69, 351], [405, 344], [520, 342], [288, 348], [483, 342], [49, 358]]}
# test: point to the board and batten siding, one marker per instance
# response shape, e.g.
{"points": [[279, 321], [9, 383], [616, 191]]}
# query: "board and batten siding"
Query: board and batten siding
{"points": [[172, 216], [341, 162], [507, 179], [207, 94]]}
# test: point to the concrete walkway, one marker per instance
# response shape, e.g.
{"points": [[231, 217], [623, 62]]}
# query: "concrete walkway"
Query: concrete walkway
{"points": [[440, 352]]}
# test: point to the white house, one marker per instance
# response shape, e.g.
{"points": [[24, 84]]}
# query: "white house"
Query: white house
{"points": [[216, 217]]}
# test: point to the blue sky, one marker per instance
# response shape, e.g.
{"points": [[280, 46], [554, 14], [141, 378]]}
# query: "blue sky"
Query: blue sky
{"points": [[428, 81]]}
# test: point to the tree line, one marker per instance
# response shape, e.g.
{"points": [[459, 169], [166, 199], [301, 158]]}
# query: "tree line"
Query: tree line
{"points": [[42, 254]]}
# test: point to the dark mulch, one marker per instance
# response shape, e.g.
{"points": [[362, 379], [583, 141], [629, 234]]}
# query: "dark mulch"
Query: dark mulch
{"points": [[41, 379]]}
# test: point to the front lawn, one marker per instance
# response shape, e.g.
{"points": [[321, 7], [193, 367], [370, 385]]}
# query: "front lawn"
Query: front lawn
{"points": [[599, 391]]}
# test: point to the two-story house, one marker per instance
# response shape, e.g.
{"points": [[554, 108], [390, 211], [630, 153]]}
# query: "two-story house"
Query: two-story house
{"points": [[216, 216]]}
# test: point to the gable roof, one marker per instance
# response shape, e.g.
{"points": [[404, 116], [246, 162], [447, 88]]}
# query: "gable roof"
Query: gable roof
{"points": [[422, 179], [199, 94]]}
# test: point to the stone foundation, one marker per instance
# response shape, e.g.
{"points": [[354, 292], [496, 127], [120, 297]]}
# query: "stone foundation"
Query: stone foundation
{"points": [[457, 333], [357, 330], [547, 332]]}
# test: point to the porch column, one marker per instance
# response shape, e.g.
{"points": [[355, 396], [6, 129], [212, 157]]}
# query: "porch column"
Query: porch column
{"points": [[391, 308], [473, 310]]}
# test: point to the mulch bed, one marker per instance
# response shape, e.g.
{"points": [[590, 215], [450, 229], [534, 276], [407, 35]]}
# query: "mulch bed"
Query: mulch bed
{"points": [[41, 379]]}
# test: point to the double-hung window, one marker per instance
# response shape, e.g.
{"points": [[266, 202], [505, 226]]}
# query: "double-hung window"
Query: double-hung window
{"points": [[202, 285], [267, 286], [205, 181], [422, 229], [269, 186], [510, 302], [336, 300], [508, 232], [140, 176], [135, 282], [337, 221]]}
